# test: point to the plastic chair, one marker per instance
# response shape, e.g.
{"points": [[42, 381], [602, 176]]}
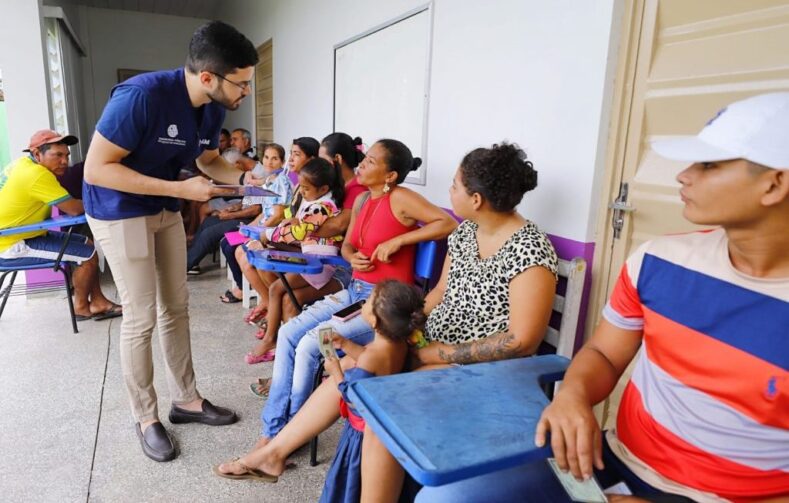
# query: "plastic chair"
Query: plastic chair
{"points": [[424, 267], [57, 265]]}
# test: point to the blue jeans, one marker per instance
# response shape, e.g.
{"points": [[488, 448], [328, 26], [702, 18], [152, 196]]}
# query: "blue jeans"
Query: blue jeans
{"points": [[208, 235], [229, 251], [298, 355], [536, 482]]}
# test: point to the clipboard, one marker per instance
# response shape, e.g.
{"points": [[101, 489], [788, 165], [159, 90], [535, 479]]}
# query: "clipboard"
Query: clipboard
{"points": [[247, 191]]}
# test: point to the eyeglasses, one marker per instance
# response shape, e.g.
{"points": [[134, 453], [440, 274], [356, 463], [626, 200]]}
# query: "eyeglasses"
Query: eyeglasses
{"points": [[244, 86]]}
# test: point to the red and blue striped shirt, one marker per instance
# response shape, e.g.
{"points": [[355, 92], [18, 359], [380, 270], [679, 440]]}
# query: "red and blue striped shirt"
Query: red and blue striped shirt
{"points": [[707, 405]]}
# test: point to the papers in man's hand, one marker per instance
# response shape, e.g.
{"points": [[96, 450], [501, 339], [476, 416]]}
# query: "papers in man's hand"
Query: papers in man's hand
{"points": [[246, 190], [586, 490]]}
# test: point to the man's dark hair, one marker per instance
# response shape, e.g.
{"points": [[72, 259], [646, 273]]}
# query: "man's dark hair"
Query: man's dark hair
{"points": [[225, 132], [219, 48], [43, 148]]}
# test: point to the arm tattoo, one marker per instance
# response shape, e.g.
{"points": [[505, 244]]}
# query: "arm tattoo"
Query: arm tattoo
{"points": [[501, 346]]}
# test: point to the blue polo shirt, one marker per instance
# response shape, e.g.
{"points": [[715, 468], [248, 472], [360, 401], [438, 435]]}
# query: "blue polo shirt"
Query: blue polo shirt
{"points": [[151, 116]]}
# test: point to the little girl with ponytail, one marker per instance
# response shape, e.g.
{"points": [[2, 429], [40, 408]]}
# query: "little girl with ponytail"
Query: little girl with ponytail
{"points": [[396, 312]]}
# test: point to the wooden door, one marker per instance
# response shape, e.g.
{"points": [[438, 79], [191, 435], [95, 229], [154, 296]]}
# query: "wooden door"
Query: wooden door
{"points": [[264, 97], [684, 61]]}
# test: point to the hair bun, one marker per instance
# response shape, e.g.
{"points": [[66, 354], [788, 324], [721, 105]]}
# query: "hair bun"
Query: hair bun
{"points": [[415, 165], [418, 319], [358, 141]]}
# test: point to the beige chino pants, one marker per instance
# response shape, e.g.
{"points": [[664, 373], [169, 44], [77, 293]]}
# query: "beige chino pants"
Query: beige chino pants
{"points": [[148, 260]]}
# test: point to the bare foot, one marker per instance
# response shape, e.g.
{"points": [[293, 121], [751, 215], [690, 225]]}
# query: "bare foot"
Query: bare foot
{"points": [[261, 443], [262, 348], [98, 307], [257, 459]]}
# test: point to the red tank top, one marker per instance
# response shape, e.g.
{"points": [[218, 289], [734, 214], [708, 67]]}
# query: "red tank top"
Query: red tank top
{"points": [[374, 225]]}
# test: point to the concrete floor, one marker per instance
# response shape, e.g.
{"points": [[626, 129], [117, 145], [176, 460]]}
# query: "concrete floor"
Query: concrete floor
{"points": [[67, 432]]}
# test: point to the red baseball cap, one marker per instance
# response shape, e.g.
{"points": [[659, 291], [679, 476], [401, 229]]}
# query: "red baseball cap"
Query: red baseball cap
{"points": [[48, 136]]}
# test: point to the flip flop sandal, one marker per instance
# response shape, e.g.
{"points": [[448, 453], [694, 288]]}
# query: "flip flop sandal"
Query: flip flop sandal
{"points": [[113, 312], [260, 334], [249, 474], [229, 298], [83, 317], [255, 314], [265, 357], [261, 388]]}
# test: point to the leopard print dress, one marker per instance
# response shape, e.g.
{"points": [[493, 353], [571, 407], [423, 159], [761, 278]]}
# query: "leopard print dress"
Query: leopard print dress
{"points": [[476, 302]]}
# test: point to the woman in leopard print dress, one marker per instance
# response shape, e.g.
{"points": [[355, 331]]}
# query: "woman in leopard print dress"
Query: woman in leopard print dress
{"points": [[496, 291]]}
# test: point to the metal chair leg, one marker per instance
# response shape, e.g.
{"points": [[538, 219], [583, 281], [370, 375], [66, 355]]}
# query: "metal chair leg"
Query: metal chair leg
{"points": [[314, 442], [7, 292], [69, 291]]}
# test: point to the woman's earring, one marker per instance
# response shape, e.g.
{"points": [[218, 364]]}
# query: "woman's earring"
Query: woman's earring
{"points": [[387, 188]]}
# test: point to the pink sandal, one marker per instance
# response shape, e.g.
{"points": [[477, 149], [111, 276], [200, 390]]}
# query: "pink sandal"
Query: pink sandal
{"points": [[265, 357], [256, 314]]}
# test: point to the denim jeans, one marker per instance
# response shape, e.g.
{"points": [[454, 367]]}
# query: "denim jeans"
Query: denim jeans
{"points": [[536, 482], [208, 235], [229, 251], [298, 354]]}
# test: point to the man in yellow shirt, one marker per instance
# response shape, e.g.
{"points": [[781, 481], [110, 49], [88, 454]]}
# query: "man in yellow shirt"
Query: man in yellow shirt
{"points": [[27, 195]]}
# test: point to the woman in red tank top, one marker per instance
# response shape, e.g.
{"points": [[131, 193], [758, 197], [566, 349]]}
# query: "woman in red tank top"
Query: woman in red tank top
{"points": [[379, 245], [383, 228]]}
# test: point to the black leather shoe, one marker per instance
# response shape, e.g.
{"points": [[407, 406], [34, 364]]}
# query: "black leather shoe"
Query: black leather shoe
{"points": [[156, 443], [211, 414]]}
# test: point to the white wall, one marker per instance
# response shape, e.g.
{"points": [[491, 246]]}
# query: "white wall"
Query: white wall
{"points": [[533, 72], [24, 71], [125, 39]]}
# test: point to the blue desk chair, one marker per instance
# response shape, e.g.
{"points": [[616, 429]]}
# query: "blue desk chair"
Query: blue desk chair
{"points": [[57, 265], [424, 268], [494, 406]]}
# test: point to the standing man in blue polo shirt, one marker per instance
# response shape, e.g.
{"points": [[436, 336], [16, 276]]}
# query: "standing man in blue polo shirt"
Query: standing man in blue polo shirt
{"points": [[153, 125]]}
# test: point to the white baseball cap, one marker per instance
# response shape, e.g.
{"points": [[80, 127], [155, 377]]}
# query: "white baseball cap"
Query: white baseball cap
{"points": [[756, 129]]}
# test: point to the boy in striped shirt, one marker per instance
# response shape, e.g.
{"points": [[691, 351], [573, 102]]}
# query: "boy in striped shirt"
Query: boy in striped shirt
{"points": [[705, 415]]}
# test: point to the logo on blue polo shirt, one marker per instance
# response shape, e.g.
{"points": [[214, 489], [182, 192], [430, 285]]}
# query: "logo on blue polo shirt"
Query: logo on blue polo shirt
{"points": [[172, 132]]}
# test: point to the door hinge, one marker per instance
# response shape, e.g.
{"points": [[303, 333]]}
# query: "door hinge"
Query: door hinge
{"points": [[620, 207]]}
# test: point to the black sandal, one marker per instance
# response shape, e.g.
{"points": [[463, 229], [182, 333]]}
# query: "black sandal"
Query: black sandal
{"points": [[229, 298]]}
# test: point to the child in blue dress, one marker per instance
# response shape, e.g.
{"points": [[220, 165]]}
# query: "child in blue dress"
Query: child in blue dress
{"points": [[396, 311]]}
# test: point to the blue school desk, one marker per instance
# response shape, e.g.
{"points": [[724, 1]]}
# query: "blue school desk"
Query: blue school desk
{"points": [[451, 424], [260, 260], [46, 225]]}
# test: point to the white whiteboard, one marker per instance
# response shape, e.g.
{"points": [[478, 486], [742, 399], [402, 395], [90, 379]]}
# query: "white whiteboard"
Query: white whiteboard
{"points": [[381, 81]]}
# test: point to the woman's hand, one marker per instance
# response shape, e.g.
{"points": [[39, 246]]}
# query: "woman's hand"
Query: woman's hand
{"points": [[332, 366], [360, 262], [575, 435], [254, 244], [338, 341], [386, 249]]}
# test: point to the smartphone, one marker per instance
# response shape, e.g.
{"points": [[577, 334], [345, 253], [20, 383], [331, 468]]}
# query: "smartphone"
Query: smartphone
{"points": [[325, 343], [278, 257], [349, 312]]}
